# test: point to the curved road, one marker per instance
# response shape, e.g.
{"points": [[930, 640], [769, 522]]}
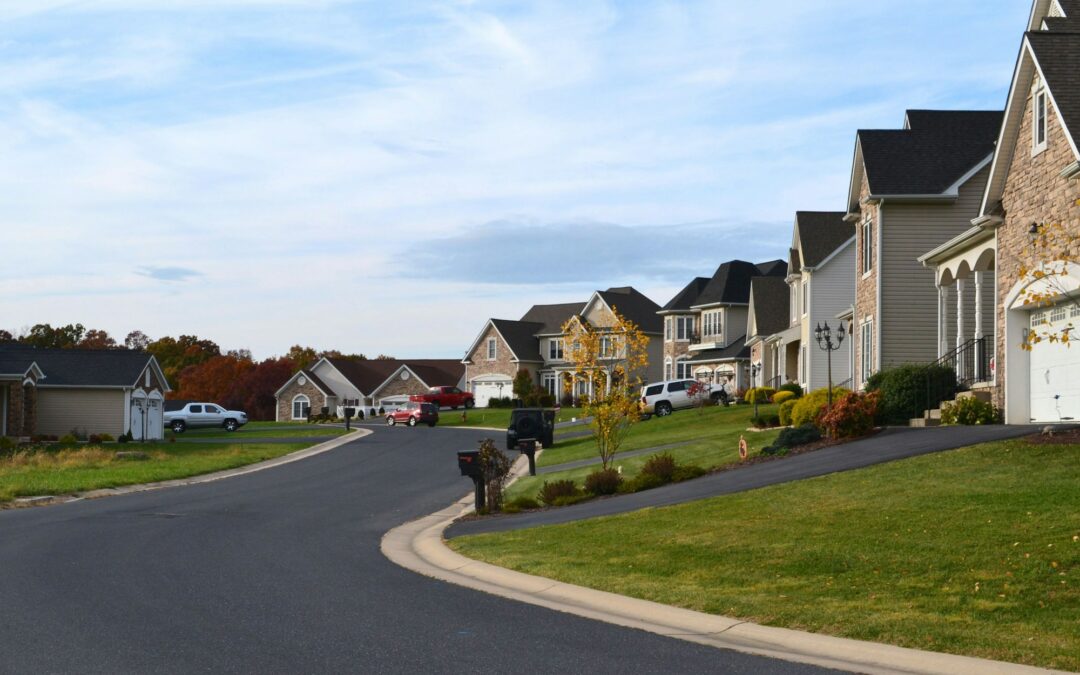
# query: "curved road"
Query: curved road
{"points": [[280, 572]]}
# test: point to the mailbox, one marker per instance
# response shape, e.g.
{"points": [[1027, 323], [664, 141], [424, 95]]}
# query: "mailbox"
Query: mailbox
{"points": [[469, 463], [350, 412]]}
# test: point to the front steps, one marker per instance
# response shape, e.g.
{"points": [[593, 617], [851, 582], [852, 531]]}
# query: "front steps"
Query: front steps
{"points": [[932, 418]]}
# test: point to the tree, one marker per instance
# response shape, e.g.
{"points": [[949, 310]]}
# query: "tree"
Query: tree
{"points": [[1056, 249], [44, 336], [259, 384], [176, 354], [97, 339], [214, 380], [613, 357], [302, 356], [136, 339], [6, 336], [523, 384]]}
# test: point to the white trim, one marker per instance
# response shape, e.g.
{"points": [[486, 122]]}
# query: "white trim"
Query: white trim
{"points": [[396, 374], [127, 411], [1040, 94], [954, 189], [1057, 108], [298, 373], [292, 406], [879, 267]]}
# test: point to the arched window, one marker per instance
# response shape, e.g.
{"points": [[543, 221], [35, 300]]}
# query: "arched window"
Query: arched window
{"points": [[667, 368], [301, 406]]}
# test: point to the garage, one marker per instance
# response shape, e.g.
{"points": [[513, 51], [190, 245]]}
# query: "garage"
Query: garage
{"points": [[486, 388], [1055, 369]]}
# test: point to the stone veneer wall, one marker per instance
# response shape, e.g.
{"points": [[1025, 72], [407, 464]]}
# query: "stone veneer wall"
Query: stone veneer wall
{"points": [[503, 364], [14, 409], [400, 387], [285, 399], [865, 289], [1035, 192], [675, 349]]}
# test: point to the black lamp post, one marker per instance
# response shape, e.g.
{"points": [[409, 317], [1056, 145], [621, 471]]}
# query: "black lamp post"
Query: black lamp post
{"points": [[755, 368], [824, 337]]}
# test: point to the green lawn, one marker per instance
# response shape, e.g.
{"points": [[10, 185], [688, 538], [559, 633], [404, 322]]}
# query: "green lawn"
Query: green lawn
{"points": [[974, 551], [493, 418], [263, 430], [711, 436], [58, 471]]}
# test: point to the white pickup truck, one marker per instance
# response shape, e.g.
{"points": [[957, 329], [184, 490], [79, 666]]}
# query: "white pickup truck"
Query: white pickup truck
{"points": [[195, 415]]}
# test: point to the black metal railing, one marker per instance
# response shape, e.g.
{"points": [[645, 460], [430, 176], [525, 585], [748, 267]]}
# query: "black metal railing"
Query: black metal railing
{"points": [[957, 371], [846, 384]]}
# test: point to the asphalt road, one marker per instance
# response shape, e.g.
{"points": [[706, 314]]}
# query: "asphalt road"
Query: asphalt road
{"points": [[280, 572]]}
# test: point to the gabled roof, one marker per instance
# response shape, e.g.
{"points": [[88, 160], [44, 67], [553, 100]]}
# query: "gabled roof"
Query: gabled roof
{"points": [[819, 233], [430, 373], [735, 351], [17, 364], [88, 367], [520, 337], [368, 375], [1051, 48], [770, 298], [635, 306], [686, 298], [731, 282], [552, 317]]}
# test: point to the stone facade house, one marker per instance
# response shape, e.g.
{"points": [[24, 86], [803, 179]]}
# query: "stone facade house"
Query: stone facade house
{"points": [[331, 384], [911, 189], [536, 344], [1034, 181], [107, 391]]}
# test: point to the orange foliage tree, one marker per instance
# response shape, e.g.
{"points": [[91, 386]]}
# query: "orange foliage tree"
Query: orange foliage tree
{"points": [[1056, 252]]}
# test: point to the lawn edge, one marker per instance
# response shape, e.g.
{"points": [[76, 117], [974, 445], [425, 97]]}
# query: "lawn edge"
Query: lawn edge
{"points": [[419, 546], [326, 446]]}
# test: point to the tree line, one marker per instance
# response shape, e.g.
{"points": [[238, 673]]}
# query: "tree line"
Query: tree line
{"points": [[196, 368]]}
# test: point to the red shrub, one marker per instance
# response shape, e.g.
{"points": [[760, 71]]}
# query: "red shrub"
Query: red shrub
{"points": [[852, 415]]}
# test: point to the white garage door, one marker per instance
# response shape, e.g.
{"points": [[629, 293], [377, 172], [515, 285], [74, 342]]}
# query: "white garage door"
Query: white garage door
{"points": [[485, 391], [1055, 372]]}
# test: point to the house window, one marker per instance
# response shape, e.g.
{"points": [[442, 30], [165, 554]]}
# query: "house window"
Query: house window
{"points": [[555, 349], [803, 367], [1039, 126], [868, 246], [667, 369], [805, 304], [491, 348], [682, 370], [684, 327], [667, 329], [605, 347], [793, 302], [712, 324], [301, 406], [547, 381], [866, 349]]}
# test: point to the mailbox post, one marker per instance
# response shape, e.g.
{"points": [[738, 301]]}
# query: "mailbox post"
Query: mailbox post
{"points": [[469, 464], [348, 416], [528, 448]]}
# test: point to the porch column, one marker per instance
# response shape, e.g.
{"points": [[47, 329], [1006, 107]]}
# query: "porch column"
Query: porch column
{"points": [[979, 346], [942, 322], [960, 374]]}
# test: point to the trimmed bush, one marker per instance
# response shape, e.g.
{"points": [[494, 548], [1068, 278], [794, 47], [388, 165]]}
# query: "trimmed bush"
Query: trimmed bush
{"points": [[759, 395], [904, 393], [796, 436], [793, 387], [765, 421], [661, 465], [603, 482], [783, 396], [68, 439], [808, 408], [93, 439], [642, 481], [687, 472], [785, 412], [569, 500], [852, 415], [970, 411], [554, 490], [106, 438], [519, 504]]}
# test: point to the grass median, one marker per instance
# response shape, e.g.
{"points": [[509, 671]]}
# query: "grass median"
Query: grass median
{"points": [[974, 551], [59, 470]]}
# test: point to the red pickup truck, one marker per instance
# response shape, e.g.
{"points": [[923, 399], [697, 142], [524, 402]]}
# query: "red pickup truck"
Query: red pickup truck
{"points": [[446, 397]]}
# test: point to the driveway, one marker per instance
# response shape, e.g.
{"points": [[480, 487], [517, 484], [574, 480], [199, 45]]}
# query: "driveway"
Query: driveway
{"points": [[889, 445], [280, 572]]}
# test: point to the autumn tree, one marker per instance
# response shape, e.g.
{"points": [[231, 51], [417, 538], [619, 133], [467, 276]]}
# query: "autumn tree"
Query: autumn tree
{"points": [[97, 339], [523, 384], [136, 339], [1056, 256], [613, 357], [176, 354]]}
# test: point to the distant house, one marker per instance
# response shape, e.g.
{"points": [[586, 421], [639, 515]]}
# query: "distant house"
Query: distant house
{"points": [[113, 391], [334, 383], [767, 317], [536, 344], [705, 325]]}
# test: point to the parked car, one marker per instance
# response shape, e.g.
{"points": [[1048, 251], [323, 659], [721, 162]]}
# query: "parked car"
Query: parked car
{"points": [[531, 424], [662, 398], [446, 397], [413, 413], [196, 415]]}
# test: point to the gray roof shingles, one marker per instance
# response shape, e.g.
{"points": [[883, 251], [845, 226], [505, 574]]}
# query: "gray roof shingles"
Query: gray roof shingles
{"points": [[552, 317], [821, 233], [521, 337], [367, 375], [687, 297], [1058, 54], [635, 306], [82, 367], [771, 304], [731, 282]]}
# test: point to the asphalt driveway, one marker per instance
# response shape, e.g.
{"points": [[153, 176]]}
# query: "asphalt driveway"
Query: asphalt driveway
{"points": [[280, 572]]}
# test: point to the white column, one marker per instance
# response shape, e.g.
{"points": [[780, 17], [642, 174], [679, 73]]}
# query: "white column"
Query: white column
{"points": [[979, 324], [942, 322], [960, 370]]}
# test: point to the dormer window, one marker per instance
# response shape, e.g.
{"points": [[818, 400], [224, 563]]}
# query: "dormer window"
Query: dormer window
{"points": [[1038, 139]]}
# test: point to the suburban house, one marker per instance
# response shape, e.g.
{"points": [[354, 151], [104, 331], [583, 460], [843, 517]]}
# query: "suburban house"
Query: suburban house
{"points": [[911, 189], [705, 325], [331, 384], [536, 344], [113, 391], [767, 317], [820, 284], [1033, 182]]}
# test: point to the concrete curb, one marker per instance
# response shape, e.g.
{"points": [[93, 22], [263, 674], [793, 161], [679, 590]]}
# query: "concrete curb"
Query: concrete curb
{"points": [[420, 547], [45, 500]]}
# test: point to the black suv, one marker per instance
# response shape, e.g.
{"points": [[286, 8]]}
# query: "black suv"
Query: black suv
{"points": [[531, 424]]}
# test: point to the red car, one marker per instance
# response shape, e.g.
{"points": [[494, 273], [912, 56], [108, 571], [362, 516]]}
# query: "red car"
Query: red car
{"points": [[413, 413], [446, 397]]}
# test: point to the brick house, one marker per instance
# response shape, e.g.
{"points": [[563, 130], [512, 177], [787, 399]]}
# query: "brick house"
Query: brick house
{"points": [[705, 325], [535, 343], [370, 385], [910, 189], [19, 375], [1034, 180]]}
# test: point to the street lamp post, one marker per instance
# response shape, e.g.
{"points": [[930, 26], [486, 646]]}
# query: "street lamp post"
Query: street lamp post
{"points": [[824, 337], [755, 368]]}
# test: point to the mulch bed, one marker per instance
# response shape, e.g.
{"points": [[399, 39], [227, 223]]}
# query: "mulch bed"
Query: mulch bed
{"points": [[1064, 437]]}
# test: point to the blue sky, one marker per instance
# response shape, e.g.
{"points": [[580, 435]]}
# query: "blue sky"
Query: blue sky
{"points": [[382, 177]]}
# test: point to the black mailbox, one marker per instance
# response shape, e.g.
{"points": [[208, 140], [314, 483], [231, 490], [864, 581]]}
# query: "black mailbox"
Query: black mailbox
{"points": [[349, 412], [469, 463]]}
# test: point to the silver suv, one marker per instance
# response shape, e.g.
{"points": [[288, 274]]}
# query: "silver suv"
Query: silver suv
{"points": [[661, 398], [194, 415]]}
